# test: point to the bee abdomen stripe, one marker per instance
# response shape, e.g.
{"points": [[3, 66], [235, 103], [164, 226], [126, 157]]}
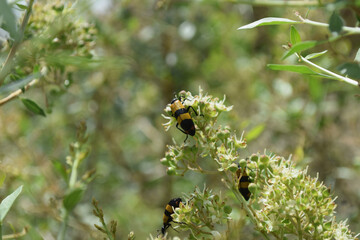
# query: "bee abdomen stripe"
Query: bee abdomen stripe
{"points": [[179, 112], [167, 213]]}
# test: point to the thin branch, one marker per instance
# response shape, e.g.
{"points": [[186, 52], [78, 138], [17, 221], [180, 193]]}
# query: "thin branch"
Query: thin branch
{"points": [[337, 76], [8, 63], [350, 30], [16, 93], [278, 3], [16, 235]]}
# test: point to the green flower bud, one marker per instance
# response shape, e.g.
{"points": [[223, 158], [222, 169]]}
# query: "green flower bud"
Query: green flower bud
{"points": [[254, 157], [227, 209], [171, 171], [165, 161], [252, 188], [233, 167], [264, 159], [243, 163]]}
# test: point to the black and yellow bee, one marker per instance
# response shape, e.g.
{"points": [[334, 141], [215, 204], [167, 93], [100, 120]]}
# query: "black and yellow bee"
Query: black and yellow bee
{"points": [[244, 182], [183, 117], [169, 209]]}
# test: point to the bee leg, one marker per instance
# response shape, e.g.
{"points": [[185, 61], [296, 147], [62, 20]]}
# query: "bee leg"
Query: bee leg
{"points": [[193, 110], [188, 108], [177, 126]]}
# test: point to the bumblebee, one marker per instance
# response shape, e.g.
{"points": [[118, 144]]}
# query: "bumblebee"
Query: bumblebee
{"points": [[183, 117], [244, 182], [169, 209]]}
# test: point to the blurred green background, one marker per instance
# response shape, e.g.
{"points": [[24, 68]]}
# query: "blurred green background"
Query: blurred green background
{"points": [[152, 50]]}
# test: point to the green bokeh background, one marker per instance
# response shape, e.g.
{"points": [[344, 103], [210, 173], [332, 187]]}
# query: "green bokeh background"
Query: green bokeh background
{"points": [[156, 49]]}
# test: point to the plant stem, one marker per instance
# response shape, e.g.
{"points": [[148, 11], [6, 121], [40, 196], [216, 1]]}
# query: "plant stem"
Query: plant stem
{"points": [[64, 224], [16, 93], [352, 30], [337, 76], [0, 230], [72, 182], [279, 3], [8, 63], [73, 175]]}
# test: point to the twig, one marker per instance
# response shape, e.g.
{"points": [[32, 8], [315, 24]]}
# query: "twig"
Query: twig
{"points": [[337, 76], [350, 30], [16, 235], [7, 65], [278, 3], [16, 93]]}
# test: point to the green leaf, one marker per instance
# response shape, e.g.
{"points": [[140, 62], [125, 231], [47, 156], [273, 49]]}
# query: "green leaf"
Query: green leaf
{"points": [[335, 23], [255, 132], [294, 36], [351, 70], [357, 57], [73, 198], [60, 168], [301, 46], [9, 19], [268, 21], [33, 107], [315, 55], [8, 202], [292, 68], [15, 85], [21, 6]]}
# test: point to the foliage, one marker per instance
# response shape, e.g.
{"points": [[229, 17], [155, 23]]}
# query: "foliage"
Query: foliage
{"points": [[116, 64], [285, 201]]}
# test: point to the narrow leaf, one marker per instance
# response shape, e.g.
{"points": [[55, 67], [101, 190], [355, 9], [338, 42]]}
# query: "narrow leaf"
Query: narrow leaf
{"points": [[8, 202], [292, 68], [351, 70], [21, 6], [9, 19], [294, 36], [15, 85], [268, 21], [315, 55], [73, 198], [357, 57], [301, 46], [60, 168], [335, 23], [33, 107], [255, 132]]}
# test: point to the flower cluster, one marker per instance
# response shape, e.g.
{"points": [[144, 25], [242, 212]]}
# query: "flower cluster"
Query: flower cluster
{"points": [[291, 202], [213, 141], [204, 214], [285, 202], [54, 39]]}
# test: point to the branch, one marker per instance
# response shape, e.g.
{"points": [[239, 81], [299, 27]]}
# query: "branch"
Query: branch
{"points": [[279, 3], [16, 93], [337, 76], [349, 30], [8, 63]]}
